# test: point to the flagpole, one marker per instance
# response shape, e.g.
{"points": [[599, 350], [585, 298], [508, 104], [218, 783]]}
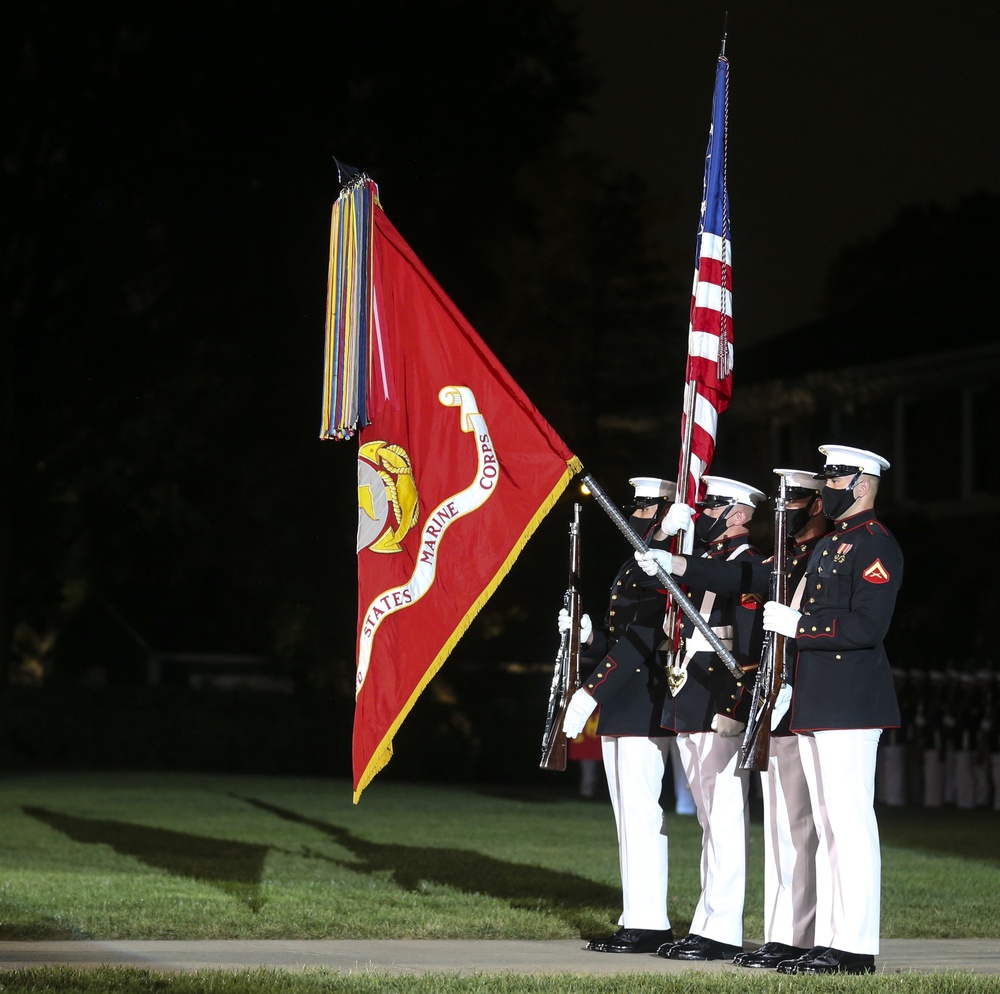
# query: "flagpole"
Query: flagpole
{"points": [[684, 540], [680, 598]]}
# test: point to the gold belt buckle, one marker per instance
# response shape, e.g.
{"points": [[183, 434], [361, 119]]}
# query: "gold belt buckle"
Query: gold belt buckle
{"points": [[676, 678], [676, 672]]}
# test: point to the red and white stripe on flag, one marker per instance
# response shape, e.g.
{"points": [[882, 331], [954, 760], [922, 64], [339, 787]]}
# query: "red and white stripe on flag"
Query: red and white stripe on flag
{"points": [[710, 354], [710, 335]]}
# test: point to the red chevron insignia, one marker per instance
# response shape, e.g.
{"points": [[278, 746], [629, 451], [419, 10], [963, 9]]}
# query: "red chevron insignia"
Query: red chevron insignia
{"points": [[876, 573]]}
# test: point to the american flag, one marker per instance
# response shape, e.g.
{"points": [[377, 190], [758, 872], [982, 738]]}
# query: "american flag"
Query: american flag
{"points": [[708, 379]]}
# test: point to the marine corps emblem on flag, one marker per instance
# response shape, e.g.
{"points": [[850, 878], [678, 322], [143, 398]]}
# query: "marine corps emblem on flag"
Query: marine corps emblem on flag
{"points": [[455, 506], [385, 480], [876, 573]]}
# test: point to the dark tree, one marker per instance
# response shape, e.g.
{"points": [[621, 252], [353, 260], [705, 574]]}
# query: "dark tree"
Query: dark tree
{"points": [[928, 251], [167, 188]]}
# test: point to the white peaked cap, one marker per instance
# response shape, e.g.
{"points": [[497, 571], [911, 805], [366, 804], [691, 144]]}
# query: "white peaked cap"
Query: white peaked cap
{"points": [[799, 479], [719, 486], [652, 486], [846, 455]]}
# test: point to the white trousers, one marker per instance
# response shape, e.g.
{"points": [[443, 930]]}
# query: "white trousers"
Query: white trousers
{"points": [[789, 848], [839, 767], [933, 779], [682, 792], [720, 793], [965, 782], [950, 784], [634, 766], [890, 774]]}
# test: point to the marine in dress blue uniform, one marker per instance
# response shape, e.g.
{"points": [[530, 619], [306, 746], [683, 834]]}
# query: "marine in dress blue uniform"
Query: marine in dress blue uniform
{"points": [[790, 838], [789, 834], [708, 712], [843, 697], [624, 678]]}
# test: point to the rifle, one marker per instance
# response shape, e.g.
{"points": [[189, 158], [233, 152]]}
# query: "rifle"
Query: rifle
{"points": [[566, 675], [771, 672]]}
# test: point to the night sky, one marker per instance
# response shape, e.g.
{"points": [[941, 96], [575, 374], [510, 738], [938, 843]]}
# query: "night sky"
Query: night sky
{"points": [[840, 115], [168, 182]]}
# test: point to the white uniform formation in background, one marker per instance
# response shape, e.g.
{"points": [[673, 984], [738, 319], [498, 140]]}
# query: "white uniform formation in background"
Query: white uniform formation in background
{"points": [[947, 750]]}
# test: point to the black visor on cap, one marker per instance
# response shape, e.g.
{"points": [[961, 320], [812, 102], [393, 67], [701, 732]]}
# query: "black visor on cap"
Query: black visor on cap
{"points": [[799, 493], [638, 503], [714, 500], [832, 472]]}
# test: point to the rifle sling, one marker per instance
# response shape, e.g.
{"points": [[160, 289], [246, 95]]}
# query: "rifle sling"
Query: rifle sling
{"points": [[697, 642]]}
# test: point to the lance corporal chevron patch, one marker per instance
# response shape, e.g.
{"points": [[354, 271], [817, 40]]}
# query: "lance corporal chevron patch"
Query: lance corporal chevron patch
{"points": [[876, 573]]}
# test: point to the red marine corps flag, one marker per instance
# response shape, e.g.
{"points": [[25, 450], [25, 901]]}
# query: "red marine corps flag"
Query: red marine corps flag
{"points": [[456, 467]]}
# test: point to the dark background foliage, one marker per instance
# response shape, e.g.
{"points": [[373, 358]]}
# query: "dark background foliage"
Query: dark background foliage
{"points": [[167, 190], [167, 182]]}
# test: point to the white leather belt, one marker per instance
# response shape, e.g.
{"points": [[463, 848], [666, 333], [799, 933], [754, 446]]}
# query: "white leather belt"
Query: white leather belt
{"points": [[697, 642]]}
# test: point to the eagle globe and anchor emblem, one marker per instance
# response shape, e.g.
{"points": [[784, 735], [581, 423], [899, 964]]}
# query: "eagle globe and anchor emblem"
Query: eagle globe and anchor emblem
{"points": [[389, 508], [388, 502]]}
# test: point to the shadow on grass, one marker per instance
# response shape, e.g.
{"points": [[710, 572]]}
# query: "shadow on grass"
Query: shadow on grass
{"points": [[233, 867], [21, 924], [533, 888]]}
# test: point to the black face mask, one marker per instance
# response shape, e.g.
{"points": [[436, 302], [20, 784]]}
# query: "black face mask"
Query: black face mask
{"points": [[641, 525], [707, 529], [797, 519], [836, 502]]}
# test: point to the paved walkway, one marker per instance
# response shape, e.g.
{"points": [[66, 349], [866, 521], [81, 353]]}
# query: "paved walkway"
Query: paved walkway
{"points": [[463, 957]]}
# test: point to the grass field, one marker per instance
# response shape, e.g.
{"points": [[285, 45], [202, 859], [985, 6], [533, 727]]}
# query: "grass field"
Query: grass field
{"points": [[212, 857]]}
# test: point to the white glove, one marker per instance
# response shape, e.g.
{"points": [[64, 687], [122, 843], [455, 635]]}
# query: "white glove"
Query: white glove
{"points": [[781, 618], [677, 519], [581, 706], [650, 560], [586, 626], [781, 705]]}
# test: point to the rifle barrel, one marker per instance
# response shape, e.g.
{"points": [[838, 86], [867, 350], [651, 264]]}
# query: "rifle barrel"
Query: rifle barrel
{"points": [[566, 675]]}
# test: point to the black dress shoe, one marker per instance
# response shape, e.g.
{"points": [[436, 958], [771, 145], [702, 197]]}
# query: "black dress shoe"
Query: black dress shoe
{"points": [[768, 956], [792, 965], [697, 947], [690, 939], [632, 940], [599, 945], [834, 961]]}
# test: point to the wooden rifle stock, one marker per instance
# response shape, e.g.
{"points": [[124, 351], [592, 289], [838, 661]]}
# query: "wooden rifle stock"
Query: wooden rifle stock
{"points": [[566, 675], [756, 746]]}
